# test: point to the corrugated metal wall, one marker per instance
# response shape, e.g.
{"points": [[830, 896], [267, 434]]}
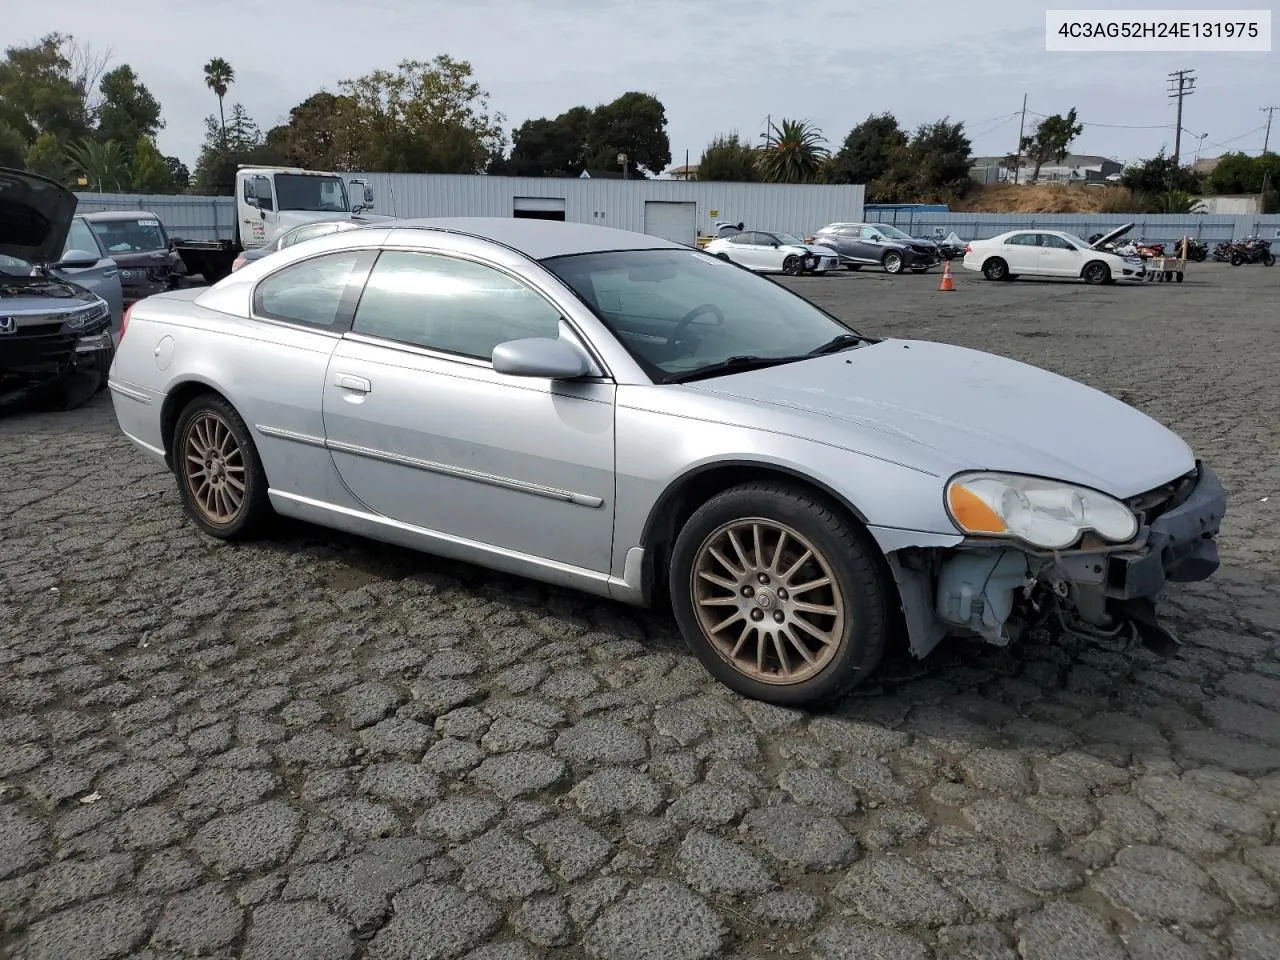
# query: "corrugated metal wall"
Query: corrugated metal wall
{"points": [[188, 217], [1157, 227], [618, 203], [795, 209]]}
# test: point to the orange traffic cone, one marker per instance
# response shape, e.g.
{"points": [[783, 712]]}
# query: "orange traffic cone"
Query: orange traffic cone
{"points": [[947, 285]]}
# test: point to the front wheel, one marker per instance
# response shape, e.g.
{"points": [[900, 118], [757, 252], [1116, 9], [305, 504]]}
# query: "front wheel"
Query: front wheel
{"points": [[892, 262], [220, 477], [793, 266], [778, 597], [1268, 259], [1096, 273], [995, 269]]}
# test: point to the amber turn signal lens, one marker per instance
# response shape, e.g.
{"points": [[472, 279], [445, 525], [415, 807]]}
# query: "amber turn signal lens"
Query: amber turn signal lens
{"points": [[972, 514]]}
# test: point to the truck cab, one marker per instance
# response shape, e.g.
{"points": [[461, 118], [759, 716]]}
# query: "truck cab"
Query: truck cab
{"points": [[272, 199]]}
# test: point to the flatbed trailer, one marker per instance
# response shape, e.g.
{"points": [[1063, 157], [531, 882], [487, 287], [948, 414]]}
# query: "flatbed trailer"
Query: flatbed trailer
{"points": [[1169, 267]]}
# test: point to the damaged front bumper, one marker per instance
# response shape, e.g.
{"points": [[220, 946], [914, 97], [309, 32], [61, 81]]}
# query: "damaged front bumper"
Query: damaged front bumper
{"points": [[996, 591]]}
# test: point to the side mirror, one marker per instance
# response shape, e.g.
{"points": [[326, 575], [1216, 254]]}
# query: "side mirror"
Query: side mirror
{"points": [[76, 260], [541, 357]]}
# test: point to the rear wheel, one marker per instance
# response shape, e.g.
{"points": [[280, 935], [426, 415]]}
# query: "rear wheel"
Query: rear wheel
{"points": [[777, 596], [220, 477], [995, 269], [892, 262]]}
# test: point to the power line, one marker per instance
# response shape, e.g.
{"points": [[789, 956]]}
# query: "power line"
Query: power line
{"points": [[1248, 133], [1114, 126], [1182, 83]]}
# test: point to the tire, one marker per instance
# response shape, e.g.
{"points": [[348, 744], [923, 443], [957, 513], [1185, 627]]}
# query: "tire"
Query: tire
{"points": [[793, 266], [858, 626], [1268, 259], [203, 423], [1096, 273], [892, 262], [853, 266], [995, 269], [1178, 276], [1237, 259]]}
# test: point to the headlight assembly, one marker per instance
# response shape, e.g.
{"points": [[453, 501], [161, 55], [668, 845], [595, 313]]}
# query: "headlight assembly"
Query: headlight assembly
{"points": [[1047, 514]]}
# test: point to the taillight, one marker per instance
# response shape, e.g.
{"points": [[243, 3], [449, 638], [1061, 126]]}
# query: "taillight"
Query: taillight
{"points": [[968, 248], [124, 322], [237, 263]]}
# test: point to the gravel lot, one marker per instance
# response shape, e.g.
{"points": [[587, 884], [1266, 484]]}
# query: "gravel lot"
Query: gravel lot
{"points": [[319, 747]]}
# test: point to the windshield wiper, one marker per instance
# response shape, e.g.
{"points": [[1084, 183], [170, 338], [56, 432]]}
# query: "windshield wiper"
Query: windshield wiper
{"points": [[836, 344], [730, 365]]}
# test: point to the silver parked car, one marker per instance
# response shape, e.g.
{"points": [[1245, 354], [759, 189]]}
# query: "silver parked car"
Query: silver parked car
{"points": [[619, 413]]}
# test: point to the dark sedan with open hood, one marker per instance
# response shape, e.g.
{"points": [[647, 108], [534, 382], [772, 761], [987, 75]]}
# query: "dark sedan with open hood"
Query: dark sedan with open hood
{"points": [[55, 335]]}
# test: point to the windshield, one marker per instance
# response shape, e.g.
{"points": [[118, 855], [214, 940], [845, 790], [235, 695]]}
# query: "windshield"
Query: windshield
{"points": [[788, 238], [296, 191], [142, 235], [889, 231], [677, 311], [1082, 244]]}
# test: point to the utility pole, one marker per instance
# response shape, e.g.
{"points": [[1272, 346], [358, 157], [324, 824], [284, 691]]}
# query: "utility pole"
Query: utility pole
{"points": [[1017, 156], [1266, 139], [1182, 83], [768, 131]]}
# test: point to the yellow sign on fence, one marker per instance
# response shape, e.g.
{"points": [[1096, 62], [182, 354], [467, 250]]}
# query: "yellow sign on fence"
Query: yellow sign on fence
{"points": [[713, 214]]}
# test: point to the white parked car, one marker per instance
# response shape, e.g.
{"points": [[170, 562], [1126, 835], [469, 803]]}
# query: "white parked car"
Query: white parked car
{"points": [[767, 252], [1051, 253]]}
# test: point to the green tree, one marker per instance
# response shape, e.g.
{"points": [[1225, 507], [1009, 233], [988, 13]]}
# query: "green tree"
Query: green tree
{"points": [[1158, 175], [40, 91], [635, 124], [317, 134], [867, 151], [1241, 173], [128, 111], [47, 156], [179, 175], [1176, 201], [728, 158], [102, 163], [1051, 140], [218, 77], [932, 167], [426, 117], [149, 172], [13, 149], [794, 153], [590, 138], [228, 143]]}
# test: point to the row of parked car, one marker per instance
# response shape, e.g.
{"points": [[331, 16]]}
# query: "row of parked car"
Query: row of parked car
{"points": [[65, 281], [849, 245]]}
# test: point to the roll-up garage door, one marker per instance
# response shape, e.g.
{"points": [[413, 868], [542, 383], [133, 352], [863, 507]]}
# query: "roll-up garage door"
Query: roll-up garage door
{"points": [[672, 221]]}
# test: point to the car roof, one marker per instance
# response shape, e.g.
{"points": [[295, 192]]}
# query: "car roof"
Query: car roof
{"points": [[102, 215], [542, 239]]}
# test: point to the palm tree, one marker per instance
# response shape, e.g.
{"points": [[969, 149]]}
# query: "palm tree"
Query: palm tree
{"points": [[102, 163], [794, 152], [218, 76]]}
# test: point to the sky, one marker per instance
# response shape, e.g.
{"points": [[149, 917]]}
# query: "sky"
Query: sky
{"points": [[717, 65]]}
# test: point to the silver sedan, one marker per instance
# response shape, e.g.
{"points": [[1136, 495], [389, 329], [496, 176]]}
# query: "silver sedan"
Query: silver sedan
{"points": [[620, 414]]}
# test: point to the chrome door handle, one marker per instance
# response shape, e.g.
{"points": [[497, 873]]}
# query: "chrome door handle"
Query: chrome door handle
{"points": [[347, 382]]}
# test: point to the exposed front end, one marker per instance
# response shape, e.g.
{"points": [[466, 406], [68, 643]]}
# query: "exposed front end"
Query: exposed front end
{"points": [[999, 588], [52, 347]]}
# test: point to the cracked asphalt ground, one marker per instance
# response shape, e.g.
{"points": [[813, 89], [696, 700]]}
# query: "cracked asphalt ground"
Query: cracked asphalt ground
{"points": [[318, 747]]}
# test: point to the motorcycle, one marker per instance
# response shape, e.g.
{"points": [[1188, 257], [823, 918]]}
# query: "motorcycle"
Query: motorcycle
{"points": [[1222, 251], [1197, 250], [1253, 250], [1149, 250]]}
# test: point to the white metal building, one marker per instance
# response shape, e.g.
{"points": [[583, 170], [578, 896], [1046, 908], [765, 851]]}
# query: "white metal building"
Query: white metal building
{"points": [[672, 209]]}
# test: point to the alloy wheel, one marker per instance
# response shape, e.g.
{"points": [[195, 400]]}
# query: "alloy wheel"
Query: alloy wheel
{"points": [[767, 601], [213, 468]]}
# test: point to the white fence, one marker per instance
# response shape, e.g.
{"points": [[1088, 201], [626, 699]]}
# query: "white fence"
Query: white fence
{"points": [[212, 218]]}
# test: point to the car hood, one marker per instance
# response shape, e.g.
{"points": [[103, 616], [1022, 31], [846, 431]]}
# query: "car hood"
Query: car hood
{"points": [[977, 410], [35, 216], [1115, 234], [40, 294]]}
